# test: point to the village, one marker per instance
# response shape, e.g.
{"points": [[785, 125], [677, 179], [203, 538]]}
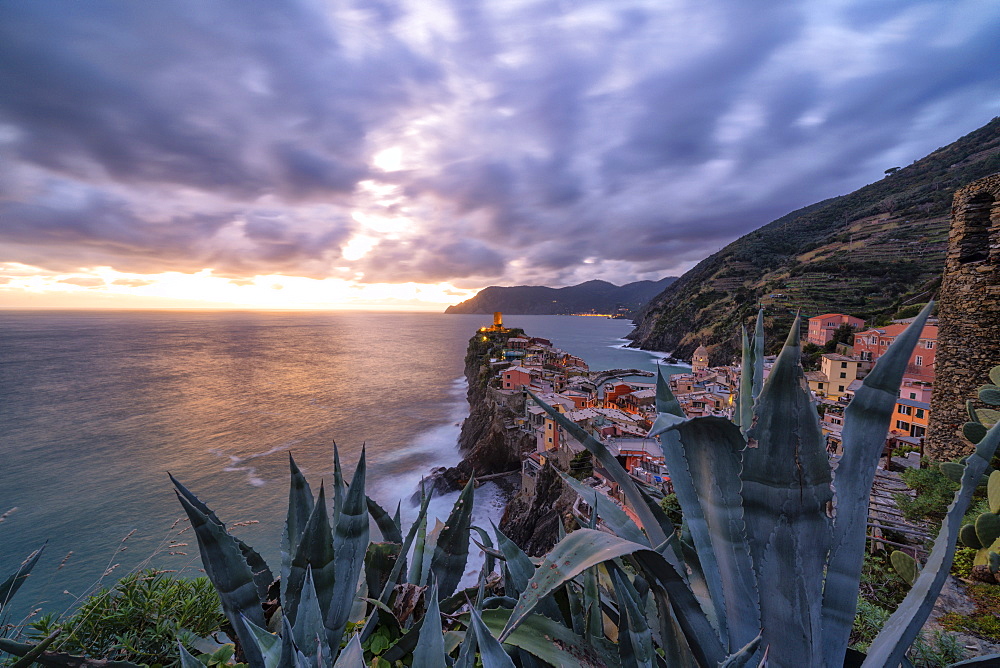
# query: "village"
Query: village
{"points": [[618, 409]]}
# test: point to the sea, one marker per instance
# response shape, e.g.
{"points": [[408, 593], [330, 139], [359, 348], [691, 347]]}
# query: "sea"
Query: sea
{"points": [[97, 407]]}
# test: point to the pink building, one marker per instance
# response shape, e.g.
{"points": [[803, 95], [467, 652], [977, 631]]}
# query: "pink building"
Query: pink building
{"points": [[823, 327], [872, 344], [515, 377]]}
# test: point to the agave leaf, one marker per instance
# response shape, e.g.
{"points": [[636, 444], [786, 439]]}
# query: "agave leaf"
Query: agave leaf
{"points": [[487, 546], [491, 653], [758, 355], [389, 528], [315, 551], [379, 562], [614, 469], [352, 656], [228, 570], [262, 575], [743, 415], [635, 640], [866, 422], [339, 487], [712, 447], [594, 621], [300, 506], [452, 550], [308, 632], [610, 512], [417, 567], [14, 581], [350, 542], [551, 641], [672, 594], [902, 627], [429, 650], [187, 659], [744, 657], [786, 489], [268, 644]]}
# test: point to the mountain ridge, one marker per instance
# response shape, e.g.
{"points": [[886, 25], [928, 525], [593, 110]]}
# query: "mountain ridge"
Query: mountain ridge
{"points": [[595, 296], [865, 253]]}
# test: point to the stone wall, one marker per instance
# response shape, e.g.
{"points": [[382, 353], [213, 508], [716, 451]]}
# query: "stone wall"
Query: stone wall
{"points": [[969, 313]]}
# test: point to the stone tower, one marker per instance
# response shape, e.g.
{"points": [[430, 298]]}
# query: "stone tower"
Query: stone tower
{"points": [[969, 315]]}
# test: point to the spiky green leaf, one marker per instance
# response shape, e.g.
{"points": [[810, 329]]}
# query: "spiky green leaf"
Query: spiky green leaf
{"points": [[300, 506], [551, 641], [635, 640], [786, 489], [352, 656], [452, 550], [268, 644], [712, 448], [491, 653], [14, 581], [350, 542], [315, 552], [429, 650], [610, 512], [228, 570], [308, 631], [386, 525]]}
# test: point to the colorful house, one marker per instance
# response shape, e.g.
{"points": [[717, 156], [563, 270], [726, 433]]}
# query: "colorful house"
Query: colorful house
{"points": [[823, 327], [871, 344]]}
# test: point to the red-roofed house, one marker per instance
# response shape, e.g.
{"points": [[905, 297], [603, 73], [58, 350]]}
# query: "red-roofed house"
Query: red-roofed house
{"points": [[872, 344]]}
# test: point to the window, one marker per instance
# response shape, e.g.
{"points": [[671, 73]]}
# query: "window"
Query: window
{"points": [[550, 439], [919, 413], [843, 365], [843, 375], [820, 385], [918, 431], [905, 410], [929, 345], [919, 361], [913, 395], [840, 388], [902, 425]]}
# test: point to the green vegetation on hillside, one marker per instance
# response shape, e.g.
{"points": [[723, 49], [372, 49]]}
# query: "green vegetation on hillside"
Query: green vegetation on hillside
{"points": [[867, 254]]}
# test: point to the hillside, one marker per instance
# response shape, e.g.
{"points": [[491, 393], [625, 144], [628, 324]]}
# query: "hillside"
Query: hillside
{"points": [[589, 297], [865, 254]]}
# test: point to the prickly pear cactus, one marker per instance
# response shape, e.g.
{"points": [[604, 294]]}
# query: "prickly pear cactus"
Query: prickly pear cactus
{"points": [[984, 535]]}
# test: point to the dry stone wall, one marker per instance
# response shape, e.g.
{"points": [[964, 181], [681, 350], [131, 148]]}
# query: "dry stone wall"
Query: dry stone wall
{"points": [[969, 313]]}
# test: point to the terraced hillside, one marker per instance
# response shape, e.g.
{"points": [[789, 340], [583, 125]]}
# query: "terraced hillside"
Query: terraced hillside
{"points": [[866, 254]]}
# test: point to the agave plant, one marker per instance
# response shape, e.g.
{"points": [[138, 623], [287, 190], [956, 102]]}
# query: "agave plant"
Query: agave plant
{"points": [[769, 559], [764, 569]]}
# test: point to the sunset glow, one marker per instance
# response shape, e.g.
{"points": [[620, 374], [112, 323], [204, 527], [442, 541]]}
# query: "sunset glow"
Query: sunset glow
{"points": [[22, 286]]}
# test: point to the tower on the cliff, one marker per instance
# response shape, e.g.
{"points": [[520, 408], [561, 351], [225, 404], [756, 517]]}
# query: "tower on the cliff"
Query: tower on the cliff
{"points": [[968, 315], [497, 319], [699, 361]]}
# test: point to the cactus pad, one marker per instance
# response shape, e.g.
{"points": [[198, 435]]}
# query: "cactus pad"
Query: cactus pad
{"points": [[967, 534], [987, 528], [905, 565]]}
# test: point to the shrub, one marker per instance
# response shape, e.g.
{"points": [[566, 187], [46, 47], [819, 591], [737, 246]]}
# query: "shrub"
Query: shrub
{"points": [[140, 619]]}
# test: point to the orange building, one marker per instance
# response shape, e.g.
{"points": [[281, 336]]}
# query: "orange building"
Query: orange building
{"points": [[910, 418]]}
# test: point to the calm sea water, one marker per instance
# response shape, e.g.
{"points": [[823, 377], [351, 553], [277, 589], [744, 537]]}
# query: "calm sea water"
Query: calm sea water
{"points": [[97, 407]]}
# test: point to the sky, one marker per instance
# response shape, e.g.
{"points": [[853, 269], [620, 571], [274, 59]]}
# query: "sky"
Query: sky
{"points": [[405, 153]]}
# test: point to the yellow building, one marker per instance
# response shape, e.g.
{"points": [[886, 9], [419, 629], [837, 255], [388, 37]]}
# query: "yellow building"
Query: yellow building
{"points": [[840, 371]]}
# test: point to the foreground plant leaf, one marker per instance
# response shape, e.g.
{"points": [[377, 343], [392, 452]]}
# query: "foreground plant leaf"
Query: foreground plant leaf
{"points": [[786, 489], [451, 553], [350, 543], [226, 567]]}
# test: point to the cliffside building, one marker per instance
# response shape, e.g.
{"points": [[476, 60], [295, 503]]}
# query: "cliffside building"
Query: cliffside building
{"points": [[968, 315], [823, 327]]}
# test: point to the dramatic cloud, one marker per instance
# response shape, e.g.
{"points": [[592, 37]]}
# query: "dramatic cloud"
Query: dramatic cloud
{"points": [[443, 141]]}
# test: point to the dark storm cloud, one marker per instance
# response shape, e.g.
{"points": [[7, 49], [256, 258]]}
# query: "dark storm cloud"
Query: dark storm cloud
{"points": [[552, 141]]}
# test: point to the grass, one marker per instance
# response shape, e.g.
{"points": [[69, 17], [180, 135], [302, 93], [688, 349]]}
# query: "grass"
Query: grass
{"points": [[984, 621]]}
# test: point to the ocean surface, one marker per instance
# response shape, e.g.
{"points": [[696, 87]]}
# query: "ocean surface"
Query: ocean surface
{"points": [[97, 407]]}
